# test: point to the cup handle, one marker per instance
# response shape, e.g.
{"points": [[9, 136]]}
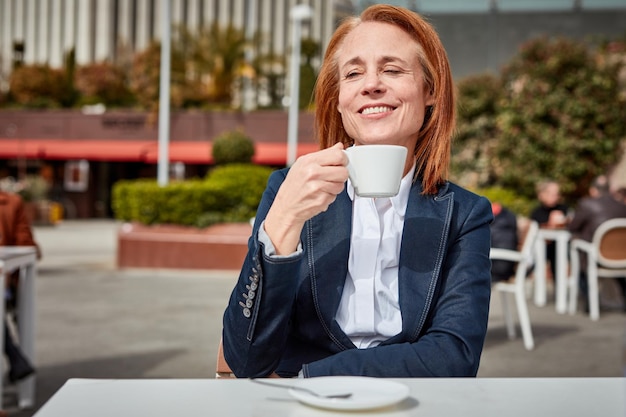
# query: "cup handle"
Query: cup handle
{"points": [[351, 172]]}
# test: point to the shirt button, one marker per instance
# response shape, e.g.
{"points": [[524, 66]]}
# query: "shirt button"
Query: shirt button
{"points": [[246, 312], [251, 294], [248, 303]]}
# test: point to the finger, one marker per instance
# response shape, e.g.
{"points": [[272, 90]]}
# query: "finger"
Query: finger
{"points": [[336, 174], [333, 188], [329, 156]]}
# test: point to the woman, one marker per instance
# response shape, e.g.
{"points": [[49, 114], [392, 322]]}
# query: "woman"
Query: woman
{"points": [[335, 284]]}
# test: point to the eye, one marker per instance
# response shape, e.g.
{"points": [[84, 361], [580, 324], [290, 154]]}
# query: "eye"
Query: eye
{"points": [[391, 71], [352, 74]]}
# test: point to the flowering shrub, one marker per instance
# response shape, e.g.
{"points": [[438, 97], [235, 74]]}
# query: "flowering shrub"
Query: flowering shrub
{"points": [[37, 86]]}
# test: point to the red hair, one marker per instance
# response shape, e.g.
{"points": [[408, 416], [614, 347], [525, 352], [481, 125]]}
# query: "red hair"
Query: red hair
{"points": [[432, 151]]}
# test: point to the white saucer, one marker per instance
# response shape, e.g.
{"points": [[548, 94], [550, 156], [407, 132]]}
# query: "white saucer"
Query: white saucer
{"points": [[367, 392]]}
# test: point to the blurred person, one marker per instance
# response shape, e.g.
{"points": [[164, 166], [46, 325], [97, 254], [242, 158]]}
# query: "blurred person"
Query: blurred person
{"points": [[337, 284], [15, 230], [504, 236], [599, 186], [550, 213], [590, 212]]}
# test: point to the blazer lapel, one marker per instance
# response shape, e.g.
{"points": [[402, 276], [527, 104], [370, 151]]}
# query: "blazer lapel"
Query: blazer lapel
{"points": [[426, 227], [328, 243]]}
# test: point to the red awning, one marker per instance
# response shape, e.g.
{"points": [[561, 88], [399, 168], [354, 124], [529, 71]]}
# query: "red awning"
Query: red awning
{"points": [[21, 148], [276, 153], [265, 153], [98, 150], [189, 152]]}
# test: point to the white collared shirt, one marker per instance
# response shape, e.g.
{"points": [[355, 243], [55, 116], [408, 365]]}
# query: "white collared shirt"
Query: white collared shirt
{"points": [[369, 311]]}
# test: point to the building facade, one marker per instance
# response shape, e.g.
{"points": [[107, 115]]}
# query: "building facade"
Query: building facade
{"points": [[44, 31], [479, 35]]}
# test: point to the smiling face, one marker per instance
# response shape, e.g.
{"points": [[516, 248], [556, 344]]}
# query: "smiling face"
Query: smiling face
{"points": [[382, 94]]}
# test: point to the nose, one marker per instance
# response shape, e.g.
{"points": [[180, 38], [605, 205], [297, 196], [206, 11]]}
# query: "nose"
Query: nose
{"points": [[372, 84]]}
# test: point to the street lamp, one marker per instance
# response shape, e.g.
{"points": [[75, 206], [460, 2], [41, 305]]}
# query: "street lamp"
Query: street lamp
{"points": [[298, 14], [164, 96]]}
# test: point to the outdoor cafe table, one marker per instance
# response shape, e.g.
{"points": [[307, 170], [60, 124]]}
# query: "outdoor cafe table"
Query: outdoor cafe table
{"points": [[561, 238], [467, 397], [24, 258]]}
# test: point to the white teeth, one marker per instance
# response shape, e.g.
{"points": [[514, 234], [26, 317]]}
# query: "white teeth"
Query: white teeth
{"points": [[378, 109]]}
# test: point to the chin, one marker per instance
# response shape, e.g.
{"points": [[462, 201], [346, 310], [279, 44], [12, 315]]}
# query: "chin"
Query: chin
{"points": [[376, 141]]}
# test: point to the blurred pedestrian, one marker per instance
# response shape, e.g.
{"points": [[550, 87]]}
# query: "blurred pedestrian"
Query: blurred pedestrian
{"points": [[550, 213], [15, 230], [504, 236], [601, 205]]}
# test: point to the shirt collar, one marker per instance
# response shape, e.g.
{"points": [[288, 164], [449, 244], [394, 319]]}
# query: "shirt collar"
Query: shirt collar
{"points": [[400, 200]]}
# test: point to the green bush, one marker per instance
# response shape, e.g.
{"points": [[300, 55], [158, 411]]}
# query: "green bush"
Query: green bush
{"points": [[519, 205], [233, 147], [229, 194]]}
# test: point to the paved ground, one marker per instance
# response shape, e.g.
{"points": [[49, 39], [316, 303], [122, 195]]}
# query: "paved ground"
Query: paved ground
{"points": [[94, 321]]}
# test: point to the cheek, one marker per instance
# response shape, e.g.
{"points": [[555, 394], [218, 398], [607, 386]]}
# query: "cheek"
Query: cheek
{"points": [[342, 101]]}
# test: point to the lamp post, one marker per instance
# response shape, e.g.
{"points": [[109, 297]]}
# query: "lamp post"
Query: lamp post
{"points": [[298, 14], [248, 91], [164, 96]]}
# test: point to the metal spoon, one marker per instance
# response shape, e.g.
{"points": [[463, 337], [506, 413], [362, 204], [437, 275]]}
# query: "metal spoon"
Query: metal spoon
{"points": [[298, 388]]}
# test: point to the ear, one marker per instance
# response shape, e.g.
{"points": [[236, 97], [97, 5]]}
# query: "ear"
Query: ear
{"points": [[429, 97]]}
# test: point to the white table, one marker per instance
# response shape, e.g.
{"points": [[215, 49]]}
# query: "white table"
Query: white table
{"points": [[468, 397], [23, 258], [561, 238]]}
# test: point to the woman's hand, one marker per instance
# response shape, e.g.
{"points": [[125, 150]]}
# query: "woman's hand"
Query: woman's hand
{"points": [[312, 184]]}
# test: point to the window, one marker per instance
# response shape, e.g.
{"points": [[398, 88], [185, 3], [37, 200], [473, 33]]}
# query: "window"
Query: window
{"points": [[453, 6], [534, 5]]}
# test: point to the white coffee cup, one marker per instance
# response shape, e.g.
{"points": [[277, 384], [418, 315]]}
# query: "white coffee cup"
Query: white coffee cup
{"points": [[376, 170]]}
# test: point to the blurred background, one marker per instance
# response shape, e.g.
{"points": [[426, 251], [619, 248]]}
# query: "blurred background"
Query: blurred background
{"points": [[535, 76]]}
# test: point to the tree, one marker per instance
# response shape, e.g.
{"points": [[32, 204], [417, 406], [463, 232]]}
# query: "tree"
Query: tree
{"points": [[310, 49], [37, 86], [559, 114], [145, 73], [476, 130], [271, 72], [102, 82], [562, 118], [213, 57]]}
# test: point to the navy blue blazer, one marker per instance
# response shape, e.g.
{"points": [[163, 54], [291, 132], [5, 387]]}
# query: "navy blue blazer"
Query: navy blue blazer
{"points": [[281, 314]]}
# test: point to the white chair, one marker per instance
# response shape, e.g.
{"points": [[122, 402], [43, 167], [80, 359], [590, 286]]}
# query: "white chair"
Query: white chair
{"points": [[524, 259], [606, 258]]}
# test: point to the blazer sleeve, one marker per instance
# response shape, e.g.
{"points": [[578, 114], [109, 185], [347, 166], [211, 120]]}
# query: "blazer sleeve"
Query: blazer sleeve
{"points": [[257, 319]]}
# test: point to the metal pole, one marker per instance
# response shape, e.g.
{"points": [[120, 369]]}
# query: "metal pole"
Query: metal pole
{"points": [[248, 92], [164, 96], [298, 14]]}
